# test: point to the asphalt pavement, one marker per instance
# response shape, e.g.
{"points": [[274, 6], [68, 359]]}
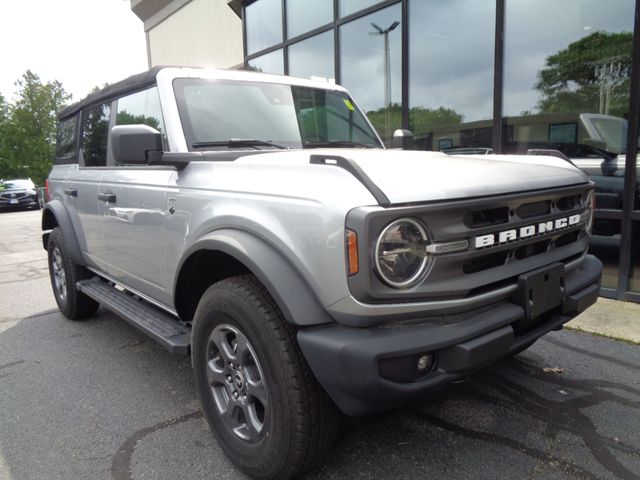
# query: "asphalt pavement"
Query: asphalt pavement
{"points": [[97, 399]]}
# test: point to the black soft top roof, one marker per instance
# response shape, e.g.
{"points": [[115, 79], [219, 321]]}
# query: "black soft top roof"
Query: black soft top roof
{"points": [[130, 84]]}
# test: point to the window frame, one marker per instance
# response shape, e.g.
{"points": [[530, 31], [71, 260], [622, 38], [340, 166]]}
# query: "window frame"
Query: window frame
{"points": [[74, 156], [83, 113]]}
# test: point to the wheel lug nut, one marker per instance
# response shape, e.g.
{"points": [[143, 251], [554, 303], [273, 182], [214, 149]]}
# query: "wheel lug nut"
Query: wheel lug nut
{"points": [[235, 394], [228, 378]]}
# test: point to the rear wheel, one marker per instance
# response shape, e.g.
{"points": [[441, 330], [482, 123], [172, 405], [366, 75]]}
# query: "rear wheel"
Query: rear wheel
{"points": [[64, 273], [267, 411]]}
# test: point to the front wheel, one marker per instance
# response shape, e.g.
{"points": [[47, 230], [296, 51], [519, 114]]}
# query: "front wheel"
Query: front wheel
{"points": [[64, 273], [267, 411]]}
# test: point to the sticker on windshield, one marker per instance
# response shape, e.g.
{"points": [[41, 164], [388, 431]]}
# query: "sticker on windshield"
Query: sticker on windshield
{"points": [[348, 104]]}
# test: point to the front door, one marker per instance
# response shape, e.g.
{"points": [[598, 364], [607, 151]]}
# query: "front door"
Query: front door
{"points": [[133, 209]]}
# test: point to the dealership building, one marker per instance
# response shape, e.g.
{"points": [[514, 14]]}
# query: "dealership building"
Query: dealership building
{"points": [[465, 76]]}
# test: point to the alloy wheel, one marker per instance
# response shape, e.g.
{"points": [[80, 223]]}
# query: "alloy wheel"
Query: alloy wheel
{"points": [[59, 274], [237, 383]]}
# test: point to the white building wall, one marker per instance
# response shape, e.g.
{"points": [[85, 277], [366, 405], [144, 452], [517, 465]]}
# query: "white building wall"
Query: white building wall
{"points": [[204, 33]]}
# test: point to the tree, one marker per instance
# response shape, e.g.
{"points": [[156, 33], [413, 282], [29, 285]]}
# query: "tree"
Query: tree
{"points": [[379, 120], [4, 113], [28, 131], [425, 119], [3, 110], [421, 119], [589, 75]]}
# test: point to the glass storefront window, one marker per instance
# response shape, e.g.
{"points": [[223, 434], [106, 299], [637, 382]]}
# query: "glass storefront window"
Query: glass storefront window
{"points": [[270, 63], [263, 24], [370, 63], [451, 73], [313, 57], [303, 15], [347, 7], [566, 87], [634, 284]]}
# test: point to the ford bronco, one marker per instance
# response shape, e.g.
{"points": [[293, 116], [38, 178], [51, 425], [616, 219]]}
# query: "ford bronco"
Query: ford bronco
{"points": [[258, 224]]}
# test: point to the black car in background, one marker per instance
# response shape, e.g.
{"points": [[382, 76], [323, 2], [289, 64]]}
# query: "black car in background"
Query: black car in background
{"points": [[18, 193]]}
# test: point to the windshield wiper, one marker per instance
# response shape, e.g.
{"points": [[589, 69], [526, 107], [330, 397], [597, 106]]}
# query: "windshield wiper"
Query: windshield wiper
{"points": [[239, 142], [335, 143]]}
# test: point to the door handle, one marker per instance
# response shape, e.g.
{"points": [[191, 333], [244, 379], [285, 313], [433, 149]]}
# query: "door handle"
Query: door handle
{"points": [[108, 197], [72, 192]]}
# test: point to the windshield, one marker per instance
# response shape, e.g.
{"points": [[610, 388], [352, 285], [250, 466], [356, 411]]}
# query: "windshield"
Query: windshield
{"points": [[613, 131], [222, 114], [16, 185]]}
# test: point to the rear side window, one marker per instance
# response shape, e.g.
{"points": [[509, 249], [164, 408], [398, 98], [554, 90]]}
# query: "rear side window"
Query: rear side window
{"points": [[95, 132], [66, 138], [141, 108]]}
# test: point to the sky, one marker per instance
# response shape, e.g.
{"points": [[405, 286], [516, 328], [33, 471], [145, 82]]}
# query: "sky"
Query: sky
{"points": [[81, 43], [452, 48]]}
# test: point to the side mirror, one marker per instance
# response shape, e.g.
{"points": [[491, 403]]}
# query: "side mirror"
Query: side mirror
{"points": [[131, 144], [402, 139]]}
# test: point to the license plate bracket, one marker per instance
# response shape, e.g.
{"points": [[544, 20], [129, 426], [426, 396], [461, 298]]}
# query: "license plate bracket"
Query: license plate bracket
{"points": [[541, 290]]}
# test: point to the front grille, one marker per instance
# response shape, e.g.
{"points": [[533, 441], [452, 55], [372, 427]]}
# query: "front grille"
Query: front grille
{"points": [[525, 212], [482, 267], [486, 217], [485, 262], [569, 203], [12, 196], [532, 210], [530, 250]]}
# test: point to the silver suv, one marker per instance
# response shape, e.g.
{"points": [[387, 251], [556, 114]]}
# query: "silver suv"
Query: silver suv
{"points": [[258, 224]]}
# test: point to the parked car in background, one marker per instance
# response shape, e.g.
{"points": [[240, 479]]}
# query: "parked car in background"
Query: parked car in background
{"points": [[18, 193]]}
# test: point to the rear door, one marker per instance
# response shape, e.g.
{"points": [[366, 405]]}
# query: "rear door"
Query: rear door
{"points": [[82, 187]]}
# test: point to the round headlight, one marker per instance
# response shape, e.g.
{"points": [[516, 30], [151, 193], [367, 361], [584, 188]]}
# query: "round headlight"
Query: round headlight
{"points": [[400, 252]]}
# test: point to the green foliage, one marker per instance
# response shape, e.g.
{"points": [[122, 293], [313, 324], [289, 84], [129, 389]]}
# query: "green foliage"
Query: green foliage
{"points": [[3, 109], [590, 75], [421, 119], [126, 118], [94, 135], [379, 118], [28, 128]]}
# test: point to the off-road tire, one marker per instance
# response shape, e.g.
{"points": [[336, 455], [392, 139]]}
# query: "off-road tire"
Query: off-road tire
{"points": [[300, 421], [73, 304]]}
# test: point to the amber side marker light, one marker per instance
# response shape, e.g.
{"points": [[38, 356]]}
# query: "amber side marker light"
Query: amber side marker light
{"points": [[351, 244]]}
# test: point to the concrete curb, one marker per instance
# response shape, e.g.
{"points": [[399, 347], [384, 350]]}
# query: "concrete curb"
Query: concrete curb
{"points": [[610, 318]]}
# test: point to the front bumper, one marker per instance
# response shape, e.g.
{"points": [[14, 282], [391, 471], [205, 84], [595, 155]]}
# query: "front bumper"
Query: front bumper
{"points": [[346, 360], [22, 202]]}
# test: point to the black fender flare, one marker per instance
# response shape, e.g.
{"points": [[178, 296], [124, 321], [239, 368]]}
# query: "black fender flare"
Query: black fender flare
{"points": [[285, 284], [63, 221]]}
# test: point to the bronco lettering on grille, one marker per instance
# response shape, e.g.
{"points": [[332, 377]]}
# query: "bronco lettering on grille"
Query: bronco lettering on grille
{"points": [[526, 231]]}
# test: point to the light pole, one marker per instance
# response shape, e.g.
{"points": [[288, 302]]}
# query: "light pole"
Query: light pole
{"points": [[387, 72]]}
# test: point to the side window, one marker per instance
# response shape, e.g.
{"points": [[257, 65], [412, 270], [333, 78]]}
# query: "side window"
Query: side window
{"points": [[95, 130], [66, 138], [142, 108]]}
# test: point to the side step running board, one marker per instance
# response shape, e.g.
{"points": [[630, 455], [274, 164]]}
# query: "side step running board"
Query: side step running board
{"points": [[162, 327]]}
